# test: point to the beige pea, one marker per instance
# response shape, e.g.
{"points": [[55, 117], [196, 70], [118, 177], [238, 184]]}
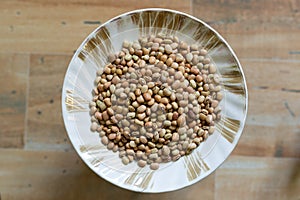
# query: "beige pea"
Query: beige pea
{"points": [[169, 62], [110, 145], [125, 160], [94, 126], [165, 150], [219, 96], [212, 68], [183, 103], [130, 152], [143, 140], [141, 108], [104, 140], [174, 45], [140, 99], [181, 120], [203, 52], [211, 130], [189, 57], [141, 116], [209, 119], [168, 49], [139, 122], [164, 100], [139, 154], [151, 102], [102, 133], [206, 61], [93, 109], [144, 88], [142, 163], [205, 135], [147, 96], [193, 83], [152, 60], [153, 156], [112, 136], [192, 146], [175, 137], [151, 144], [167, 123], [175, 152], [154, 166], [168, 136]]}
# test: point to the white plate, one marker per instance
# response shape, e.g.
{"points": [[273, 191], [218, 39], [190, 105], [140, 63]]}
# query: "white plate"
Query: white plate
{"points": [[79, 82]]}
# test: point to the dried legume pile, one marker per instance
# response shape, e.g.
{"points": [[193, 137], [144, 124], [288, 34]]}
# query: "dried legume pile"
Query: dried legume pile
{"points": [[156, 100]]}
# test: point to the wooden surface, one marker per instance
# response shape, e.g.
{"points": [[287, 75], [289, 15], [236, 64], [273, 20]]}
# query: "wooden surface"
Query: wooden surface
{"points": [[37, 40]]}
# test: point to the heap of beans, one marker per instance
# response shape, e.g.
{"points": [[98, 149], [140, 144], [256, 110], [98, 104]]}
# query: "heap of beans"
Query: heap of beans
{"points": [[156, 100]]}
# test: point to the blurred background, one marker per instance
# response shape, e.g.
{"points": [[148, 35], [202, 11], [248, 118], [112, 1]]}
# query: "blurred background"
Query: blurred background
{"points": [[37, 41]]}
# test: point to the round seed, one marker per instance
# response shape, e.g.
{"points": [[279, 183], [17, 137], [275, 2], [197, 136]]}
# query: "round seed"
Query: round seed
{"points": [[181, 120], [143, 139], [168, 136], [125, 160], [168, 49], [175, 152], [151, 144], [203, 52], [141, 108], [154, 166], [142, 163], [167, 123], [189, 57], [141, 116], [175, 137], [104, 140], [169, 62], [211, 129], [144, 88], [147, 96], [165, 150]]}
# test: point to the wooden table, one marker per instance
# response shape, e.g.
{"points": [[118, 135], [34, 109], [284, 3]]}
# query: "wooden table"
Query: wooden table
{"points": [[37, 40]]}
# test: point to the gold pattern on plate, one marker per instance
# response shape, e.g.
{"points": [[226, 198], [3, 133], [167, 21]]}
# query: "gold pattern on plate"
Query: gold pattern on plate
{"points": [[232, 80], [91, 148], [74, 103], [195, 165], [228, 127], [96, 161], [138, 179], [236, 89], [100, 41]]}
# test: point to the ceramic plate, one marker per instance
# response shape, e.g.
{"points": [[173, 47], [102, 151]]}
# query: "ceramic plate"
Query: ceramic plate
{"points": [[79, 83]]}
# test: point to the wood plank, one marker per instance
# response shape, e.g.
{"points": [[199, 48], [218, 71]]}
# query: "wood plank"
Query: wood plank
{"points": [[273, 122], [255, 29], [271, 74], [258, 178], [13, 94], [45, 124], [62, 175], [60, 26]]}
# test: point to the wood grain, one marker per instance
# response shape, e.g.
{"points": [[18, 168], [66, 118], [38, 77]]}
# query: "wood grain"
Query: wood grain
{"points": [[60, 26], [255, 29], [13, 94], [45, 124], [272, 126], [37, 40], [258, 178], [62, 175]]}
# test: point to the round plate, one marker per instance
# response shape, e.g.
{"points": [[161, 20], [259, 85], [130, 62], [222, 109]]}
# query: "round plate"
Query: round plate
{"points": [[79, 83]]}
